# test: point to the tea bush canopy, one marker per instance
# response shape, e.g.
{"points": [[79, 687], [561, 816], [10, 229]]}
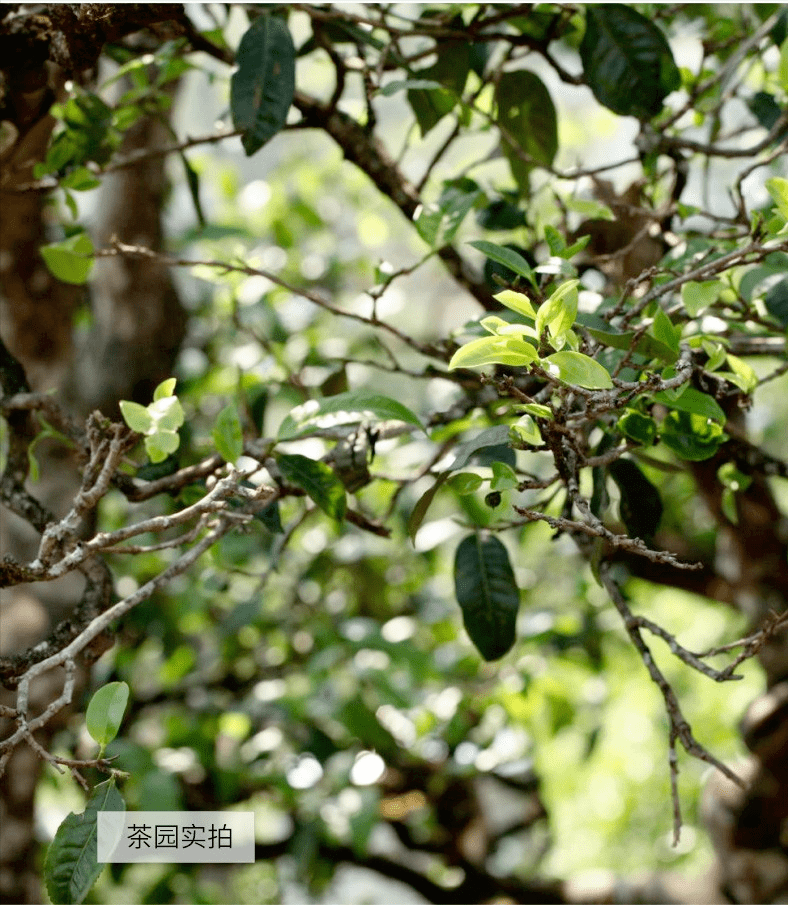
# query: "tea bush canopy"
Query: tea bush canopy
{"points": [[394, 415]]}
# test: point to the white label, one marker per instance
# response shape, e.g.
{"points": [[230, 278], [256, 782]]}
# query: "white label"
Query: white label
{"points": [[175, 837]]}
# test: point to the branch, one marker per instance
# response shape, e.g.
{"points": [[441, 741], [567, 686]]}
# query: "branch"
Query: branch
{"points": [[368, 154], [101, 623], [680, 729]]}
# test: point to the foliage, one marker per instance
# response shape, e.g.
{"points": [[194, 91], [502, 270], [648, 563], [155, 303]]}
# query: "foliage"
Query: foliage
{"points": [[354, 467]]}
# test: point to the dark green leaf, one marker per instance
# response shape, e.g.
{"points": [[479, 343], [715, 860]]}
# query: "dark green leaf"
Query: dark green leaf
{"points": [[318, 480], [422, 505], [767, 111], [501, 214], [271, 518], [262, 89], [637, 427], [193, 181], [487, 594], [438, 223], [693, 402], [501, 254], [71, 868], [691, 437], [627, 62], [527, 118], [647, 346], [776, 301], [494, 436], [640, 504], [451, 70]]}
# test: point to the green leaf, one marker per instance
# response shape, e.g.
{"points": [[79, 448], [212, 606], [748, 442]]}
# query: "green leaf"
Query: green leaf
{"points": [[589, 208], [698, 296], [741, 374], [353, 407], [487, 594], [782, 67], [664, 332], [493, 350], [693, 402], [161, 444], [730, 476], [164, 389], [627, 62], [80, 179], [450, 70], [716, 352], [778, 189], [536, 409], [504, 477], [507, 257], [526, 430], [464, 483], [526, 116], [71, 868], [691, 437], [318, 480], [262, 88], [577, 369], [105, 712], [228, 434], [70, 260], [438, 223], [638, 427], [558, 313], [137, 417]]}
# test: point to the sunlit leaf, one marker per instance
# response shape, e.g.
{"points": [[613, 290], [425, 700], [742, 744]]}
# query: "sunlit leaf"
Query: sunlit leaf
{"points": [[778, 189], [137, 417], [493, 350], [518, 302], [71, 260], [578, 370], [105, 711]]}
